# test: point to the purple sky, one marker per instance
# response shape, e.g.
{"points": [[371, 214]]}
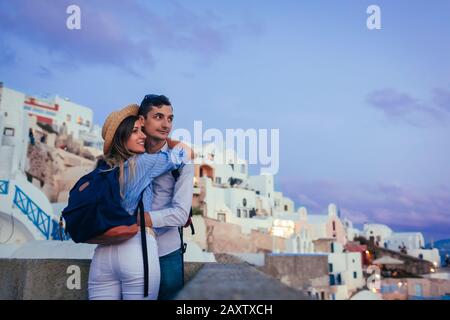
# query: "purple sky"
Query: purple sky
{"points": [[364, 116]]}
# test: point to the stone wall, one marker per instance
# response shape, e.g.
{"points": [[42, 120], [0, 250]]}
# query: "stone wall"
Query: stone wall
{"points": [[227, 237], [299, 271], [48, 279]]}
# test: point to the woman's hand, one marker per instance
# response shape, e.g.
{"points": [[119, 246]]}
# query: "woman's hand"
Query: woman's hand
{"points": [[148, 219], [175, 143]]}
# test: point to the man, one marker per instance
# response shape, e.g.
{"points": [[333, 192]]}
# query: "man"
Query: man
{"points": [[172, 198]]}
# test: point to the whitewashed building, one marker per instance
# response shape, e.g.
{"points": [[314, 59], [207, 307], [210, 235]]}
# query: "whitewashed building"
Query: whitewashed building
{"points": [[60, 113]]}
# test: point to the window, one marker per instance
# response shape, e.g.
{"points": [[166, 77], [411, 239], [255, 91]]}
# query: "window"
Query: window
{"points": [[244, 213], [239, 213], [285, 207], [218, 180], [330, 267], [334, 225], [9, 132], [332, 247], [355, 275], [221, 217], [339, 279], [332, 280]]}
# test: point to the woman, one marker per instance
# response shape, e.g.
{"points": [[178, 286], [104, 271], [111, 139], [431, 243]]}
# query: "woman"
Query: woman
{"points": [[116, 270]]}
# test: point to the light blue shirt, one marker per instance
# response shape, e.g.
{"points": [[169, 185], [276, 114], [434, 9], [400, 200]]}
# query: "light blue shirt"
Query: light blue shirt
{"points": [[171, 204]]}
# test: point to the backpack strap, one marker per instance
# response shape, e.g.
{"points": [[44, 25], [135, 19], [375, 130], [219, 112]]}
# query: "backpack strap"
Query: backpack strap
{"points": [[140, 209], [176, 174]]}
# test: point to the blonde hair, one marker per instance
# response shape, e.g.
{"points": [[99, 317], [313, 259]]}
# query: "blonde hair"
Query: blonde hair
{"points": [[119, 153]]}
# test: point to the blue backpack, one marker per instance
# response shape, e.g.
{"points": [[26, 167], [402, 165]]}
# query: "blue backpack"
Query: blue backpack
{"points": [[94, 205]]}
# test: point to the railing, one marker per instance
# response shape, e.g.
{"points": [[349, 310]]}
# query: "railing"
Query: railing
{"points": [[55, 232], [39, 218], [4, 184]]}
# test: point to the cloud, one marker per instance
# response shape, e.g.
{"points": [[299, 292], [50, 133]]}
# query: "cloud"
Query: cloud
{"points": [[441, 98], [400, 106], [125, 34], [402, 208]]}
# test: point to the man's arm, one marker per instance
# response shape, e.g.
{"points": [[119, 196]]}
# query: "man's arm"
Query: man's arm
{"points": [[178, 213]]}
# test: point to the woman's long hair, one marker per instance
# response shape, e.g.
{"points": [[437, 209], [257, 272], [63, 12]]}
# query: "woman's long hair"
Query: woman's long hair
{"points": [[119, 153]]}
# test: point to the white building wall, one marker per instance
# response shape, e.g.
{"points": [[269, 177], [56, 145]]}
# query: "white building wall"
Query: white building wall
{"points": [[380, 232], [278, 201], [80, 117], [431, 255], [247, 224], [288, 205], [263, 183], [319, 231], [235, 199], [412, 240], [14, 132], [222, 173], [354, 265]]}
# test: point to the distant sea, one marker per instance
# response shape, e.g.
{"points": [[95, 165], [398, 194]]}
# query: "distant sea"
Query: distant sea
{"points": [[443, 246]]}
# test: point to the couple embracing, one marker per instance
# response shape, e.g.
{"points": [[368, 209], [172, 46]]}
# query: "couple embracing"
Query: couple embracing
{"points": [[156, 174]]}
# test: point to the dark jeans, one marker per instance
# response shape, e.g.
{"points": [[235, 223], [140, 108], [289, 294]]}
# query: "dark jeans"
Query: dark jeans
{"points": [[171, 275]]}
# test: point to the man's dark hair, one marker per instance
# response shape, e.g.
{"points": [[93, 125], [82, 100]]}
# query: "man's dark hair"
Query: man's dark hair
{"points": [[150, 101]]}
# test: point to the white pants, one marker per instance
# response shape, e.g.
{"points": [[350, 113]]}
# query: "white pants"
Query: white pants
{"points": [[117, 271]]}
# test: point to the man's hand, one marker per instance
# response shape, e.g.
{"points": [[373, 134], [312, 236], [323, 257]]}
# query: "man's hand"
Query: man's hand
{"points": [[148, 219]]}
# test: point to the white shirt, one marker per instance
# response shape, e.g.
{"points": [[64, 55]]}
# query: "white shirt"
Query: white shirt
{"points": [[172, 201]]}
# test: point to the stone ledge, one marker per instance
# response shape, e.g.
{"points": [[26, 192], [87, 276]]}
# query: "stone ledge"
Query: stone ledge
{"points": [[217, 281], [46, 279]]}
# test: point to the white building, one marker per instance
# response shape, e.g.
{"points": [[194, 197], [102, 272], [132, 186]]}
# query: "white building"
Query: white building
{"points": [[378, 233], [345, 270], [350, 232], [54, 111], [411, 240], [328, 226]]}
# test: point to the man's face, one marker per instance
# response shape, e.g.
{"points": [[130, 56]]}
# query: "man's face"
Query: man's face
{"points": [[159, 122]]}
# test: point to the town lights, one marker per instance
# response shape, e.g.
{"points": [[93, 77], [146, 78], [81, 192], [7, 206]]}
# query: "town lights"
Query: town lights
{"points": [[283, 228], [367, 252], [432, 270]]}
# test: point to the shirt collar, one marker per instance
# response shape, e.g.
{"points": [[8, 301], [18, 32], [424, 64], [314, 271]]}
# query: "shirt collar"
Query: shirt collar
{"points": [[165, 147]]}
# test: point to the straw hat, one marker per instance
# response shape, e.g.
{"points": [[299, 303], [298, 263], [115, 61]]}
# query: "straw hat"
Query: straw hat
{"points": [[112, 123]]}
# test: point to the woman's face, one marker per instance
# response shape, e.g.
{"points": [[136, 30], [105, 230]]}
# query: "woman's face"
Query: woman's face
{"points": [[136, 142]]}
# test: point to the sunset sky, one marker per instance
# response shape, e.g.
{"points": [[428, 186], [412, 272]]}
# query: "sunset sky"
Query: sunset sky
{"points": [[364, 115]]}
